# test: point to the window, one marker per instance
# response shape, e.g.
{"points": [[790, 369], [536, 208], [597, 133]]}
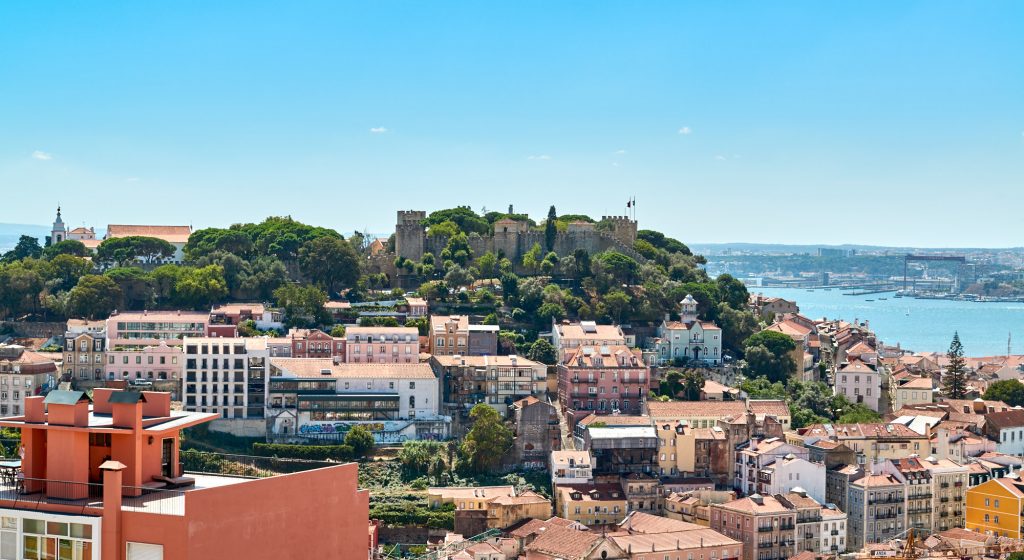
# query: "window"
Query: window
{"points": [[997, 504], [143, 551]]}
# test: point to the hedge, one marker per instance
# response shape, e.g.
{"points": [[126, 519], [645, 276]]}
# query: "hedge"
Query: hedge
{"points": [[308, 452]]}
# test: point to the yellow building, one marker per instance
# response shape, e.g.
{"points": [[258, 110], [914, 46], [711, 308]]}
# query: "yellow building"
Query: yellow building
{"points": [[467, 497], [591, 504], [994, 507], [914, 390], [676, 448]]}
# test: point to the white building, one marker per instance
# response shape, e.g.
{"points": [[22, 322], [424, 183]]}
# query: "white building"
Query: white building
{"points": [[226, 376], [569, 466], [791, 472], [758, 455], [859, 383], [688, 338], [1007, 429], [833, 530], [318, 399]]}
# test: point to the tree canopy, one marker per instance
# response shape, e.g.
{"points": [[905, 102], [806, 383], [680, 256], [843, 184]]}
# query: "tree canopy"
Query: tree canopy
{"points": [[488, 439]]}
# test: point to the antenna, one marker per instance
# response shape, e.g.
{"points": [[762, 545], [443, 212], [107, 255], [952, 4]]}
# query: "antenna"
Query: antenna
{"points": [[1009, 344]]}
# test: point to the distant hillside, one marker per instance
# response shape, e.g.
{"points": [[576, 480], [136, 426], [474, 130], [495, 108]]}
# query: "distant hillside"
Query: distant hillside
{"points": [[711, 249], [9, 234]]}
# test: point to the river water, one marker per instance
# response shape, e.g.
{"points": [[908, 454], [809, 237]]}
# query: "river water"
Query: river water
{"points": [[923, 325]]}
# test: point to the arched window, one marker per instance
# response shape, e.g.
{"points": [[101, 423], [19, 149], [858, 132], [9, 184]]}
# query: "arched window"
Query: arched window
{"points": [[412, 401]]}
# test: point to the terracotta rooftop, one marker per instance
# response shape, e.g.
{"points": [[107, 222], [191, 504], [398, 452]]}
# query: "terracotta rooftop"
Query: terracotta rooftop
{"points": [[695, 409], [750, 505], [170, 234], [565, 543]]}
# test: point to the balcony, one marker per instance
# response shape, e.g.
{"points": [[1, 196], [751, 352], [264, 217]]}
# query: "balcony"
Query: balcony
{"points": [[944, 499], [764, 529], [944, 514], [38, 493], [892, 515], [958, 498], [944, 485], [834, 532], [893, 500]]}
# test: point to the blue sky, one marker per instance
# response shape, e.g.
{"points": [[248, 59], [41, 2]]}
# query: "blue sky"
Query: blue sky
{"points": [[898, 123]]}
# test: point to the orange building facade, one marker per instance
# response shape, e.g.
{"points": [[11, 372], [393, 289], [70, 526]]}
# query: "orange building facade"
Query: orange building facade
{"points": [[103, 481]]}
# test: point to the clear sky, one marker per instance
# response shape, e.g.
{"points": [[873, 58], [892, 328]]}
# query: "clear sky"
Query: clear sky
{"points": [[890, 122]]}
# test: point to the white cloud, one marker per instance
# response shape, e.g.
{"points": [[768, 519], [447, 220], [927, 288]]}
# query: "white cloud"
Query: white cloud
{"points": [[540, 157], [620, 152], [133, 179], [685, 130], [378, 130], [615, 164], [721, 158], [41, 155]]}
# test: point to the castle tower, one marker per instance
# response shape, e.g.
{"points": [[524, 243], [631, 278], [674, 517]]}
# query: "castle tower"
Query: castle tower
{"points": [[410, 234], [688, 309], [623, 228], [60, 231]]}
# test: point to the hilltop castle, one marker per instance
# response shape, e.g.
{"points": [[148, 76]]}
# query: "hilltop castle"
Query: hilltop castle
{"points": [[512, 239]]}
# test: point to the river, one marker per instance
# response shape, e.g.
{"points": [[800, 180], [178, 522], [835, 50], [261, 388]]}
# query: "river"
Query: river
{"points": [[923, 325]]}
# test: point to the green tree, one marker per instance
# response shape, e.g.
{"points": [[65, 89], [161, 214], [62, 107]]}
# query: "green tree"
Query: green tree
{"points": [[737, 326], [94, 296], [617, 303], [693, 383], [551, 229], [20, 287], [532, 258], [1010, 391], [954, 380], [762, 388], [458, 277], [487, 264], [549, 312], [858, 414], [136, 286], [27, 248], [622, 268], [487, 441], [330, 262], [124, 251], [338, 331], [768, 355], [71, 247], [543, 351], [63, 271], [199, 288], [672, 383], [732, 292], [360, 439], [303, 305]]}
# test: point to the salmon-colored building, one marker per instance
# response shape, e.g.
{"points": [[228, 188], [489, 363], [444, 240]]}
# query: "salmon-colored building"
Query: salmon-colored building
{"points": [[103, 481]]}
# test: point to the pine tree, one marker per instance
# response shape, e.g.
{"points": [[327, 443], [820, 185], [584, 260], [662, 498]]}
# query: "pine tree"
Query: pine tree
{"points": [[550, 229], [954, 382]]}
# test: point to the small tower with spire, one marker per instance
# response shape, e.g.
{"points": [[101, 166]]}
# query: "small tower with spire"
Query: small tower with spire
{"points": [[688, 309], [60, 231]]}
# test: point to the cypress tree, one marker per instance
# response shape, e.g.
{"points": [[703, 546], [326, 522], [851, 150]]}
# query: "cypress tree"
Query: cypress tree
{"points": [[550, 229], [954, 382]]}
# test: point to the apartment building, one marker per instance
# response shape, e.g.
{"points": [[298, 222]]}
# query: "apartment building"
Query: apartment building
{"points": [[871, 442], [225, 376], [453, 335], [569, 466], [688, 338], [311, 399], [23, 374], [104, 481], [394, 345], [602, 380], [314, 343], [496, 380], [592, 504], [567, 336], [949, 483], [130, 361], [788, 473], [860, 383], [150, 327], [84, 351], [878, 508], [238, 313], [911, 391], [758, 455], [764, 524], [995, 507]]}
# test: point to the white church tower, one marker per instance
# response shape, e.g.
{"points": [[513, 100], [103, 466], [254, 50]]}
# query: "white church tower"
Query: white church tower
{"points": [[59, 232]]}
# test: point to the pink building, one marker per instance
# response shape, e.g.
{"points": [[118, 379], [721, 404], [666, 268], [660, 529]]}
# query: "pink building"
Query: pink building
{"points": [[602, 379], [313, 343], [156, 362], [395, 345], [150, 327], [104, 481]]}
